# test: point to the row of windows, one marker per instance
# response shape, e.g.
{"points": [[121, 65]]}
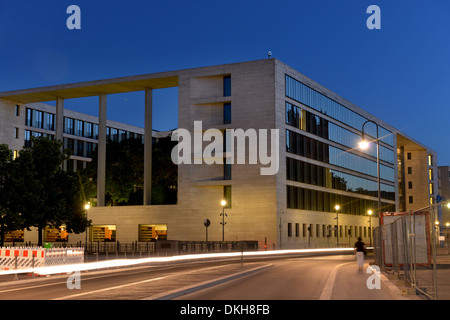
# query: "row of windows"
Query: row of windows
{"points": [[313, 99], [29, 134], [326, 231], [310, 148], [44, 120], [304, 172], [40, 119], [309, 122], [306, 199], [77, 147]]}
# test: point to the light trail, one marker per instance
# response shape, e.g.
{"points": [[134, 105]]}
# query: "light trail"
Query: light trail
{"points": [[180, 258]]}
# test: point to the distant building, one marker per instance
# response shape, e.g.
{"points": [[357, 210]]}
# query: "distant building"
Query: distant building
{"points": [[444, 192], [319, 163]]}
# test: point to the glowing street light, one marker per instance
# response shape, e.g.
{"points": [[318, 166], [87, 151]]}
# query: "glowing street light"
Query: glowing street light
{"points": [[337, 207], [370, 223], [364, 144], [87, 206], [223, 214]]}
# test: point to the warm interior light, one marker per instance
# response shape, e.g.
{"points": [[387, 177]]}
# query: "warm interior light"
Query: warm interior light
{"points": [[370, 212], [364, 144], [448, 205], [87, 206], [223, 203], [337, 207]]}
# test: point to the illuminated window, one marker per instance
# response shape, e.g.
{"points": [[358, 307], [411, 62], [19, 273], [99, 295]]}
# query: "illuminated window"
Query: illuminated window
{"points": [[56, 234], [103, 233], [431, 188], [430, 174], [151, 232], [430, 160]]}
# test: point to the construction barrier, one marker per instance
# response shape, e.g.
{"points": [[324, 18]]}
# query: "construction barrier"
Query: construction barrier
{"points": [[62, 256], [24, 258]]}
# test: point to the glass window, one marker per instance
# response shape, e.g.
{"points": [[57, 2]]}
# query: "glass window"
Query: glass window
{"points": [[226, 170], [28, 117], [312, 98], [227, 86], [36, 120], [88, 148], [317, 150], [79, 148], [305, 199], [103, 233], [49, 121], [68, 125], [27, 138], [87, 130], [95, 131], [78, 128], [227, 113], [151, 232], [17, 110]]}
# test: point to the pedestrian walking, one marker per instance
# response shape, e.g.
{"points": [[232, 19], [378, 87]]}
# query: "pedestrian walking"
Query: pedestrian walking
{"points": [[360, 252]]}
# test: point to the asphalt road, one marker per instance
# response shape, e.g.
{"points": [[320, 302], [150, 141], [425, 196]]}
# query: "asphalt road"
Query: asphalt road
{"points": [[312, 278]]}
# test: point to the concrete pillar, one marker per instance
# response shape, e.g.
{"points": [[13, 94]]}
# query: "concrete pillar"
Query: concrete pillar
{"points": [[59, 119], [101, 149], [148, 147]]}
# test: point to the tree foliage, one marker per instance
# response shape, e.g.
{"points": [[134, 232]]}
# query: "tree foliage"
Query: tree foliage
{"points": [[125, 172], [42, 193]]}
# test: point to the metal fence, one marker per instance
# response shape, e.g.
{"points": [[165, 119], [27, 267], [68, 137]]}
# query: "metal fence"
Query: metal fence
{"points": [[405, 246]]}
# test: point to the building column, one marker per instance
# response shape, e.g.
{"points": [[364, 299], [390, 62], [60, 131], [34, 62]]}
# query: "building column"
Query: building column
{"points": [[59, 119], [148, 147], [101, 150]]}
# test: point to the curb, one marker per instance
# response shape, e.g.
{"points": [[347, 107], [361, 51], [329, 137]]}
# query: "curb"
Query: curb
{"points": [[169, 295]]}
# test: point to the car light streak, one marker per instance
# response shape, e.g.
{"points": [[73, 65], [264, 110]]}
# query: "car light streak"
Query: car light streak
{"points": [[179, 258]]}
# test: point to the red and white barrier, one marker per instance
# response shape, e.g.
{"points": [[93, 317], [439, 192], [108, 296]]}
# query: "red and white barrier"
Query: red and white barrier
{"points": [[21, 258], [25, 258]]}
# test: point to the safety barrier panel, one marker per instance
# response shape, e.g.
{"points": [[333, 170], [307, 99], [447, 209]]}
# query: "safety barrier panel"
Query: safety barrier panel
{"points": [[24, 258], [62, 256]]}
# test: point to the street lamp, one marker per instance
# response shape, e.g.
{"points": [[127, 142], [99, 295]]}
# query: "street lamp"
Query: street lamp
{"points": [[223, 214], [87, 206], [337, 207], [364, 144], [370, 224]]}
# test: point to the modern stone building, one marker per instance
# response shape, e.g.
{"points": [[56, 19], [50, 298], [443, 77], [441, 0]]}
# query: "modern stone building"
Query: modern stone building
{"points": [[319, 162]]}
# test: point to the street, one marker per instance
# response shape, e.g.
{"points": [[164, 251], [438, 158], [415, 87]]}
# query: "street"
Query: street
{"points": [[311, 278], [299, 279]]}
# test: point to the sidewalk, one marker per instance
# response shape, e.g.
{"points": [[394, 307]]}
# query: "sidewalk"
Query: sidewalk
{"points": [[425, 280]]}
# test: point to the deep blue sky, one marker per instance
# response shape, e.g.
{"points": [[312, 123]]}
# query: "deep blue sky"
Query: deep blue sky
{"points": [[400, 73]]}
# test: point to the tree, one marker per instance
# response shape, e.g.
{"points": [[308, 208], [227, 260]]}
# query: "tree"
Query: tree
{"points": [[125, 171], [10, 217], [48, 196]]}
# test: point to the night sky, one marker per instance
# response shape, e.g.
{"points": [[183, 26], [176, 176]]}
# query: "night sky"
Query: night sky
{"points": [[399, 73]]}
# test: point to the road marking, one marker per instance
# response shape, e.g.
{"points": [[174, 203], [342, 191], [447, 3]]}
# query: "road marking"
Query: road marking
{"points": [[136, 283], [328, 289], [109, 288]]}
